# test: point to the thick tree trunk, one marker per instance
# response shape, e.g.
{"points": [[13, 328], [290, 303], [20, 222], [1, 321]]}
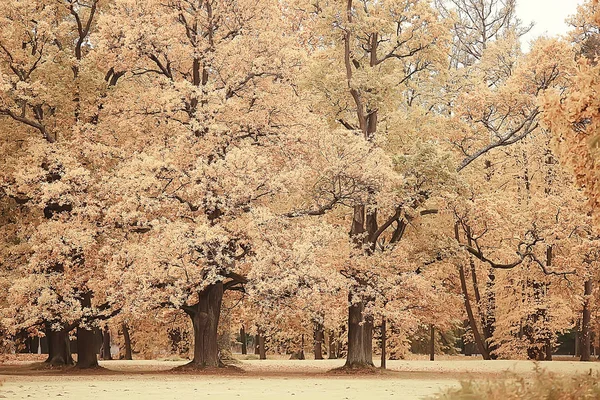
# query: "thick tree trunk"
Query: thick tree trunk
{"points": [[383, 342], [127, 341], [86, 343], [360, 337], [205, 320], [548, 351], [431, 343], [585, 323], [86, 349], [319, 336], [243, 340], [59, 347], [106, 344], [262, 351]]}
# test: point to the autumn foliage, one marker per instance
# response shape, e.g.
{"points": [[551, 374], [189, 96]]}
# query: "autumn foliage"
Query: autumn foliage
{"points": [[341, 174]]}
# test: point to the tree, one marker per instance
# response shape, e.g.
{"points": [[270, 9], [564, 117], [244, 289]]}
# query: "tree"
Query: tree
{"points": [[199, 137], [49, 88]]}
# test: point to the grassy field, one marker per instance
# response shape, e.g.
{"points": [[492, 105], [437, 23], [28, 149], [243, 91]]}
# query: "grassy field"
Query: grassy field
{"points": [[267, 379]]}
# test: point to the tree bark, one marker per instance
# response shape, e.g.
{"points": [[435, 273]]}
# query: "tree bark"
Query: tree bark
{"points": [[489, 317], [319, 336], [548, 350], [585, 323], [86, 349], [243, 340], [86, 343], [431, 343], [205, 321], [360, 336], [262, 351], [383, 342], [480, 345], [106, 355], [59, 347], [577, 341], [332, 353], [127, 341]]}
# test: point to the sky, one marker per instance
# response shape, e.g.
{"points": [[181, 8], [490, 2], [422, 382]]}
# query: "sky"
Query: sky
{"points": [[549, 16]]}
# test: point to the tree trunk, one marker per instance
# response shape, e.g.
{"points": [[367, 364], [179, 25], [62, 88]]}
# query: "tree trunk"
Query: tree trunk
{"points": [[205, 320], [489, 323], [59, 347], [262, 352], [487, 317], [480, 345], [243, 340], [360, 337], [431, 343], [585, 323], [319, 336], [383, 342], [577, 341], [86, 343], [257, 344], [548, 351], [127, 341], [86, 349], [331, 352], [106, 344]]}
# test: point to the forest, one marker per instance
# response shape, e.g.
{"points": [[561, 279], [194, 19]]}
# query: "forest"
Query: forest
{"points": [[354, 179]]}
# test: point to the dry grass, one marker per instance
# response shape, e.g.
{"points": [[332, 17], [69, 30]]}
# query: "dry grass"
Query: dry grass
{"points": [[543, 385]]}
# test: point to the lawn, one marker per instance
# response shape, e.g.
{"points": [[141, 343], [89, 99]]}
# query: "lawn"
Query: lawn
{"points": [[267, 379]]}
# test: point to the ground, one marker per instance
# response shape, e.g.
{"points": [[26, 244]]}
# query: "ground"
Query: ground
{"points": [[264, 380]]}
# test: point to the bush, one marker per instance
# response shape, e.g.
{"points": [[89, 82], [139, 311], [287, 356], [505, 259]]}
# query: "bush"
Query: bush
{"points": [[542, 386]]}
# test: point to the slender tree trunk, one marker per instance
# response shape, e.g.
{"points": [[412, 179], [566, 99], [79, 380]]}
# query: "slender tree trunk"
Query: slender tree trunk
{"points": [[480, 345], [486, 317], [383, 342], [127, 341], [243, 340], [360, 337], [257, 344], [301, 353], [205, 320], [319, 336], [59, 347], [489, 322], [463, 284], [585, 323], [262, 351], [332, 353], [431, 343], [106, 355], [577, 342]]}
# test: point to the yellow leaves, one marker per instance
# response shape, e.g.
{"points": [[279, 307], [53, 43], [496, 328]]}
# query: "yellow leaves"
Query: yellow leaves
{"points": [[572, 113]]}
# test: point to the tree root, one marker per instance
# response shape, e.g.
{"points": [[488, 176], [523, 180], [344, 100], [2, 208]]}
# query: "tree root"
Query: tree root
{"points": [[356, 369]]}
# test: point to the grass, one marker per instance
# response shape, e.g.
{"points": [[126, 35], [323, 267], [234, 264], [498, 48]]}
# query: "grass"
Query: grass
{"points": [[543, 385]]}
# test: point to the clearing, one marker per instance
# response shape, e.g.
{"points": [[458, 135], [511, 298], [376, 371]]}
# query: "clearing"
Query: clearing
{"points": [[264, 380]]}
